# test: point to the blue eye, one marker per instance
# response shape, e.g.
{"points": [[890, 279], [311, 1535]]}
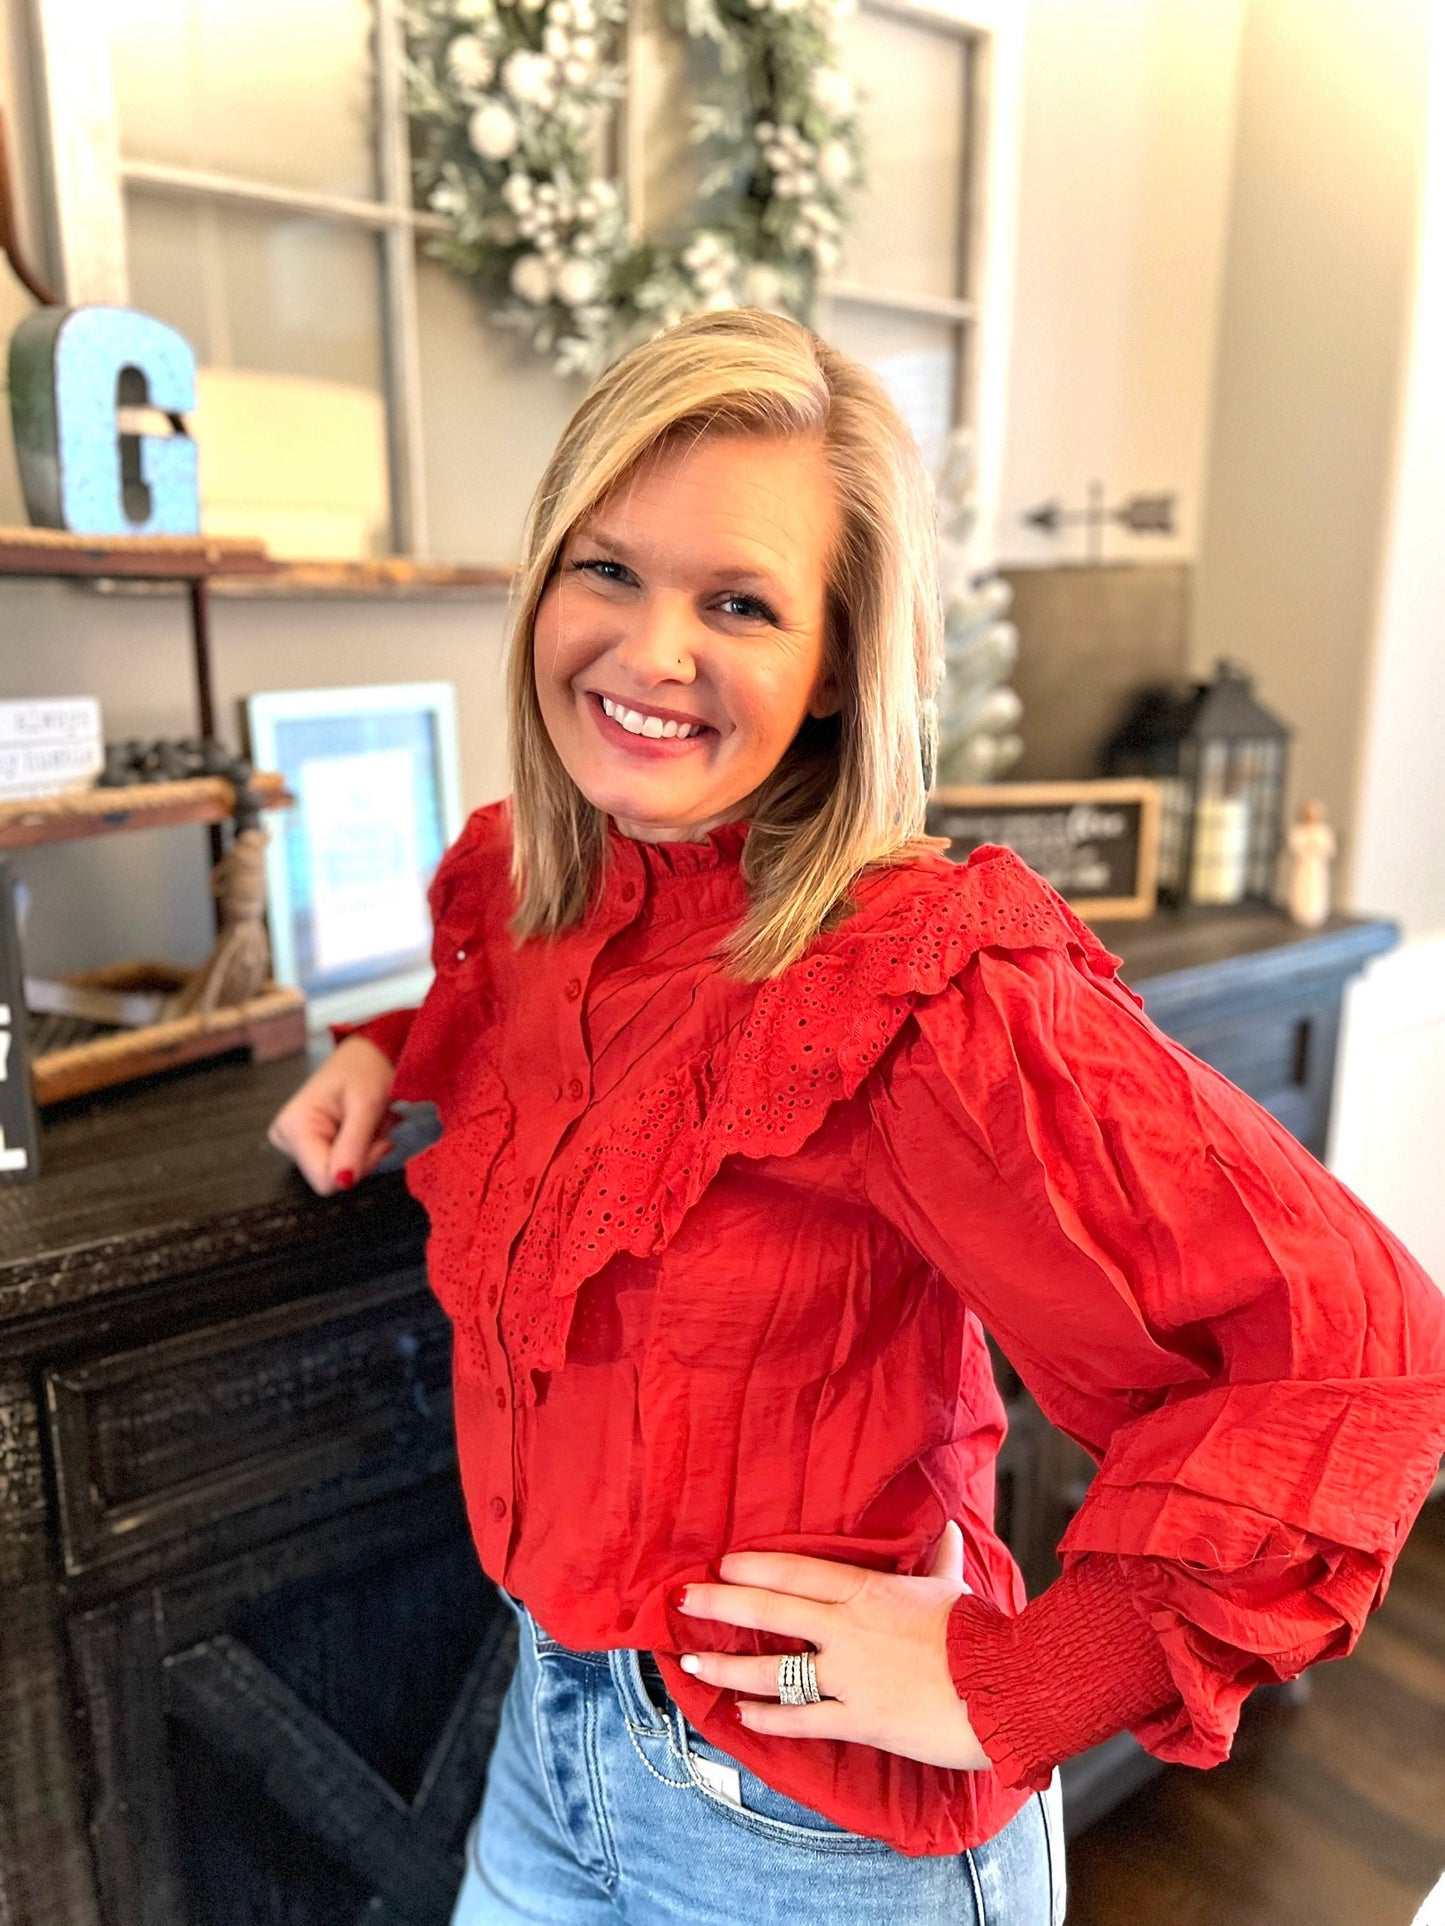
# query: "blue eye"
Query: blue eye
{"points": [[755, 610], [761, 609], [599, 563]]}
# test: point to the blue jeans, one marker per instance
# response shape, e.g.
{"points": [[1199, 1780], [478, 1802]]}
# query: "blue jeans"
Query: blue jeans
{"points": [[603, 1803]]}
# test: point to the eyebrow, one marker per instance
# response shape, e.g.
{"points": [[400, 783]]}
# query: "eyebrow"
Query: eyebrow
{"points": [[591, 531]]}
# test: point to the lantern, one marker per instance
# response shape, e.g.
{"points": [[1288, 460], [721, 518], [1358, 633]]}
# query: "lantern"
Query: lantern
{"points": [[1219, 757]]}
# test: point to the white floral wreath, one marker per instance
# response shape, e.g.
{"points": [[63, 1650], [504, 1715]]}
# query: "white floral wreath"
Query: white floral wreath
{"points": [[505, 97]]}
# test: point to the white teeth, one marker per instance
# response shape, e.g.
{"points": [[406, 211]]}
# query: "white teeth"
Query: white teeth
{"points": [[640, 725]]}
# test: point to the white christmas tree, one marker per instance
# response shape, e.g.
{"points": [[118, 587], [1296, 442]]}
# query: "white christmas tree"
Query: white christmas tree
{"points": [[978, 714]]}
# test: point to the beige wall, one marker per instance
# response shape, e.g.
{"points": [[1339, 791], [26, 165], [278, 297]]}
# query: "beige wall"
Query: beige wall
{"points": [[1399, 851], [1126, 128], [1389, 1136], [145, 894], [1317, 287]]}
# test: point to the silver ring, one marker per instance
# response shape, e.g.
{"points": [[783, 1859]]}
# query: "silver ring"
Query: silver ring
{"points": [[798, 1679]]}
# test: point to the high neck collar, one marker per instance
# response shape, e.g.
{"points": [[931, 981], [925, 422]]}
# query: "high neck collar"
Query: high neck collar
{"points": [[720, 849], [663, 881]]}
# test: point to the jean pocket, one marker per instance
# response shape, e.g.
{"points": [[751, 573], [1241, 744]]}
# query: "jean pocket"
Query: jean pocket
{"points": [[772, 1814]]}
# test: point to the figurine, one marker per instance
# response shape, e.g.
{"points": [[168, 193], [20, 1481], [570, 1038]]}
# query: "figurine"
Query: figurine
{"points": [[1312, 848]]}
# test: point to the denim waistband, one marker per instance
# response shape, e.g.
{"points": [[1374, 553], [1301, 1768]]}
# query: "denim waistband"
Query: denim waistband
{"points": [[602, 1658]]}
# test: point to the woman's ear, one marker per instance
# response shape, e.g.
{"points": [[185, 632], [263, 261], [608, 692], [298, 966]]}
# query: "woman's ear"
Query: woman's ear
{"points": [[827, 697]]}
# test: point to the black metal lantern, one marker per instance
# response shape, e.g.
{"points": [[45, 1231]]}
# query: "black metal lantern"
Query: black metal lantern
{"points": [[1219, 757]]}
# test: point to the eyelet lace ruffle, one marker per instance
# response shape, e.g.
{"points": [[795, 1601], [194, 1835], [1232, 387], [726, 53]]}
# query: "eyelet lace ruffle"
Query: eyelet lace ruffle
{"points": [[464, 1182], [808, 1041]]}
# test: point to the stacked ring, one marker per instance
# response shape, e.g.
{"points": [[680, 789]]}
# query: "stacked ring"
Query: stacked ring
{"points": [[798, 1679]]}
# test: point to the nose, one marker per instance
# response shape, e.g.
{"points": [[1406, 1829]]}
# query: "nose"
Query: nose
{"points": [[659, 641]]}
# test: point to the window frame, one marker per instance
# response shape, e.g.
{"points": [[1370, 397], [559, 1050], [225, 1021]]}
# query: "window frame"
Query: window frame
{"points": [[88, 177]]}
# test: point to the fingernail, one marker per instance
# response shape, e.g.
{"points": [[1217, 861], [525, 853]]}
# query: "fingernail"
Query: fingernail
{"points": [[677, 1598], [345, 1179], [735, 1713], [690, 1662]]}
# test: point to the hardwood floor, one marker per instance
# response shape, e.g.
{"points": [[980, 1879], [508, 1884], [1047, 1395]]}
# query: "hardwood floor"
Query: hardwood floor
{"points": [[1330, 1812]]}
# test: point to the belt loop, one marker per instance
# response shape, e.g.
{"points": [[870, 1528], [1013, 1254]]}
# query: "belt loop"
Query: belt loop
{"points": [[625, 1664]]}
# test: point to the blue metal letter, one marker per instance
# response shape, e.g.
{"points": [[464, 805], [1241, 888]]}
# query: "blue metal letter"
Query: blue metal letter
{"points": [[70, 370]]}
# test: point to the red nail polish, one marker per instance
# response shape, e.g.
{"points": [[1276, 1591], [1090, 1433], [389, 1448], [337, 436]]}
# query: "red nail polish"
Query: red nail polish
{"points": [[735, 1717], [345, 1179], [676, 1596]]}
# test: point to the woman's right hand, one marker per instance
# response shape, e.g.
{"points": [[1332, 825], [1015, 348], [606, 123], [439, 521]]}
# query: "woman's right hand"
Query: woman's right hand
{"points": [[334, 1125]]}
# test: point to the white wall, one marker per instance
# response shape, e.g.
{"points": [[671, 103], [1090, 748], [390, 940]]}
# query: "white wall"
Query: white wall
{"points": [[1126, 134], [1317, 286], [1399, 852], [1390, 1134]]}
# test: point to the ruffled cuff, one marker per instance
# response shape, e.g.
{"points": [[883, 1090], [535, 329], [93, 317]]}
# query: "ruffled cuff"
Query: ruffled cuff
{"points": [[1077, 1665], [388, 1032]]}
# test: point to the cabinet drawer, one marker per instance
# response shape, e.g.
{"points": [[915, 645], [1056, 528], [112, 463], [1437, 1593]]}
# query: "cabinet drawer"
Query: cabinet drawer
{"points": [[304, 1407]]}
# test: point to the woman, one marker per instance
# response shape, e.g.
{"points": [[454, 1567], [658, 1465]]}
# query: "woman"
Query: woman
{"points": [[756, 1110]]}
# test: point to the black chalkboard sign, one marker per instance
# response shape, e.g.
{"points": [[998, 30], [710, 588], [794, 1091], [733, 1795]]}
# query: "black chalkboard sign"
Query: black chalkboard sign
{"points": [[1096, 842], [19, 1139]]}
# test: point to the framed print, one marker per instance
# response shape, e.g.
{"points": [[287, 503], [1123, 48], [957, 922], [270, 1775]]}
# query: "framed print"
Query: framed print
{"points": [[1096, 842], [374, 774]]}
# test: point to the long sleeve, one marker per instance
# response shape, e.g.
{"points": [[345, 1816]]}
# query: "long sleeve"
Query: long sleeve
{"points": [[1256, 1363], [388, 1031]]}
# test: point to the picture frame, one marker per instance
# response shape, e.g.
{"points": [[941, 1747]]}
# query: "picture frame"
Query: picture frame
{"points": [[375, 775], [1096, 842]]}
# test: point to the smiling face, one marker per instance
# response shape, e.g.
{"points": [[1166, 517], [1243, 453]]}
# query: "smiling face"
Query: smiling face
{"points": [[681, 641]]}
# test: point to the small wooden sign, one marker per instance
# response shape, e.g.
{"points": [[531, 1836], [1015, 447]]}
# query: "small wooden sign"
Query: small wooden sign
{"points": [[19, 1139], [1096, 842]]}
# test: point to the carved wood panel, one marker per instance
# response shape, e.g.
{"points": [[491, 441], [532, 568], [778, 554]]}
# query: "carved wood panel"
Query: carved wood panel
{"points": [[300, 1734]]}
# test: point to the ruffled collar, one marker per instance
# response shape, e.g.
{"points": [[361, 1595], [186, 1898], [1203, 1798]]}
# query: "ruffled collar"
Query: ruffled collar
{"points": [[659, 871], [721, 847]]}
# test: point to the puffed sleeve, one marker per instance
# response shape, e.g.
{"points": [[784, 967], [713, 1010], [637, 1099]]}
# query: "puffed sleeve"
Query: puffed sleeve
{"points": [[1254, 1361], [388, 1030]]}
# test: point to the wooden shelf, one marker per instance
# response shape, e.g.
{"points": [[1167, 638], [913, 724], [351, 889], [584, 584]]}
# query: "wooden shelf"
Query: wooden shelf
{"points": [[233, 567], [137, 558], [30, 820], [271, 1024], [391, 577]]}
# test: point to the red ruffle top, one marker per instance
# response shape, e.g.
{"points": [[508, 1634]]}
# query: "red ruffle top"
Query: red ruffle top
{"points": [[720, 1255]]}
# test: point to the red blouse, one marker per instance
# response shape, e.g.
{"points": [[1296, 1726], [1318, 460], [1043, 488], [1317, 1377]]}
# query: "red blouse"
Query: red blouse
{"points": [[720, 1255]]}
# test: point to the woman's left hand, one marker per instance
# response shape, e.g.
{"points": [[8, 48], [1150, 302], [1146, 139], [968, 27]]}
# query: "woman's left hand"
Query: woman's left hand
{"points": [[881, 1650]]}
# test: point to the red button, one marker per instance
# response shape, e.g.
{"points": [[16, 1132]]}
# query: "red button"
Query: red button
{"points": [[491, 1294], [574, 989], [574, 1089], [529, 1186], [501, 1399], [499, 1508], [629, 890]]}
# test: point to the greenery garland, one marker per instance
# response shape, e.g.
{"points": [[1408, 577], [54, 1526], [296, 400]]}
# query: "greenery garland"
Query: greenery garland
{"points": [[506, 98]]}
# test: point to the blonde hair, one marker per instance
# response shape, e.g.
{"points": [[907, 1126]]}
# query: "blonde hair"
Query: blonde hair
{"points": [[850, 792]]}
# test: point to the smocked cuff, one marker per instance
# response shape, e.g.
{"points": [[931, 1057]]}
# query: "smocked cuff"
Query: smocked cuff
{"points": [[1077, 1665], [388, 1032]]}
